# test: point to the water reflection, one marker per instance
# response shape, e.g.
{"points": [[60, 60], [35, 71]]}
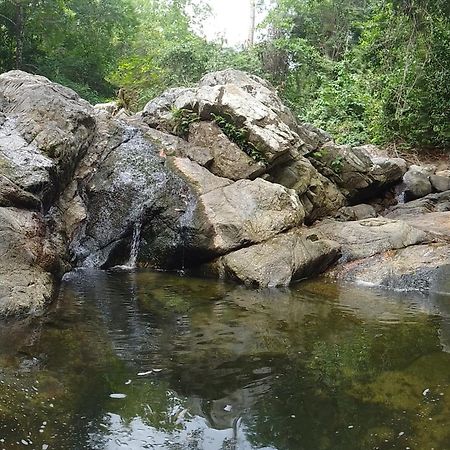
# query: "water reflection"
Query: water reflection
{"points": [[147, 360]]}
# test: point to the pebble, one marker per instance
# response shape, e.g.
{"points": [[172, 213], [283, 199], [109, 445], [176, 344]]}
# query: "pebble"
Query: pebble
{"points": [[118, 395]]}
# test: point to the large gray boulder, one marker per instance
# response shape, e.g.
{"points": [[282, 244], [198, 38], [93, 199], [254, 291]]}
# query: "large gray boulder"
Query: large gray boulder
{"points": [[45, 129], [230, 215], [279, 261], [245, 101], [368, 237], [124, 188], [355, 172]]}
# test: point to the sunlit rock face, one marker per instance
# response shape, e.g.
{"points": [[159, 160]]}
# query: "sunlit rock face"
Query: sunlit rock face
{"points": [[45, 129]]}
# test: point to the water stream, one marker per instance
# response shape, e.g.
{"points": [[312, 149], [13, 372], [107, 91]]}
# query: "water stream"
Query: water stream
{"points": [[135, 242], [140, 360]]}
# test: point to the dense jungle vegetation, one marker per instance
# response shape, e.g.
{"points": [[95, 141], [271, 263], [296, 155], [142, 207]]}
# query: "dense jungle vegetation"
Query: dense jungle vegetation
{"points": [[365, 70]]}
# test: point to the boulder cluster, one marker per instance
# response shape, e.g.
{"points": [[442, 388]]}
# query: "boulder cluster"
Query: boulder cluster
{"points": [[219, 180]]}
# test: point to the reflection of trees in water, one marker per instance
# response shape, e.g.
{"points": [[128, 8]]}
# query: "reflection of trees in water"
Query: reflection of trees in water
{"points": [[324, 392], [297, 365]]}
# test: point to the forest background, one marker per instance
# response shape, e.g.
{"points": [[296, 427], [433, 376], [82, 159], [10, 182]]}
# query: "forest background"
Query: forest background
{"points": [[365, 70]]}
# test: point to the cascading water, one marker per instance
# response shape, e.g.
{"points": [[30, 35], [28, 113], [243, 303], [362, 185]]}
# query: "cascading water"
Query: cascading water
{"points": [[135, 241]]}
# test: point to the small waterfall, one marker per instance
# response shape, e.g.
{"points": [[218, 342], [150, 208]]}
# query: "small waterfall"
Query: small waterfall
{"points": [[135, 241]]}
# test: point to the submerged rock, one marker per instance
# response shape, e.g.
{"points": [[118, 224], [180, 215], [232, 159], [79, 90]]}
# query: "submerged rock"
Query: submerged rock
{"points": [[412, 268]]}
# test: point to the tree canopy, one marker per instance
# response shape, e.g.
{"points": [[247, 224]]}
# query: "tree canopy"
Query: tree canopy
{"points": [[365, 70]]}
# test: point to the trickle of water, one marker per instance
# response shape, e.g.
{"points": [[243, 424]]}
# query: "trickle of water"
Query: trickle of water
{"points": [[135, 241]]}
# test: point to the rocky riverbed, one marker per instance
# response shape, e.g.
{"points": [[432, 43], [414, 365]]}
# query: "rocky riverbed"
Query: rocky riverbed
{"points": [[219, 180]]}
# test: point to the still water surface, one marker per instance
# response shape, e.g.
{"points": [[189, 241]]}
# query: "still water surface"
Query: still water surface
{"points": [[144, 360]]}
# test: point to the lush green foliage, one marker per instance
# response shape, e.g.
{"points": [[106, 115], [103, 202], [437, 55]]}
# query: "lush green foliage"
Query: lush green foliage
{"points": [[365, 70], [74, 42], [368, 70], [183, 118]]}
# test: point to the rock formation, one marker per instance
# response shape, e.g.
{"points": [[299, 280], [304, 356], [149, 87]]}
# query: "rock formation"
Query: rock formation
{"points": [[219, 179]]}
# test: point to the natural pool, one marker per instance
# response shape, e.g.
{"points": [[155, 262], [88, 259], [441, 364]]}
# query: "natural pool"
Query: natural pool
{"points": [[146, 360]]}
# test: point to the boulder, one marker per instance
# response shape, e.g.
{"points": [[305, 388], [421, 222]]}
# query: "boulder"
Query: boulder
{"points": [[320, 197], [368, 237], [230, 215], [355, 172], [46, 129], [441, 181], [417, 182], [357, 212], [29, 266], [228, 160], [126, 193], [414, 268], [288, 257], [245, 102]]}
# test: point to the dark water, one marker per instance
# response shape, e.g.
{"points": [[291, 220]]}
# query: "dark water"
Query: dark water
{"points": [[319, 366]]}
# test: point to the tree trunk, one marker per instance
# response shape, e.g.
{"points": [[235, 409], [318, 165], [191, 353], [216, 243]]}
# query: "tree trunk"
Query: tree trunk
{"points": [[251, 31], [19, 34]]}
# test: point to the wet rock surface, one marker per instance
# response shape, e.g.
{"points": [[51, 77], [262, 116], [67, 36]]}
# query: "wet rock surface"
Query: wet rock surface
{"points": [[414, 268], [29, 264]]}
